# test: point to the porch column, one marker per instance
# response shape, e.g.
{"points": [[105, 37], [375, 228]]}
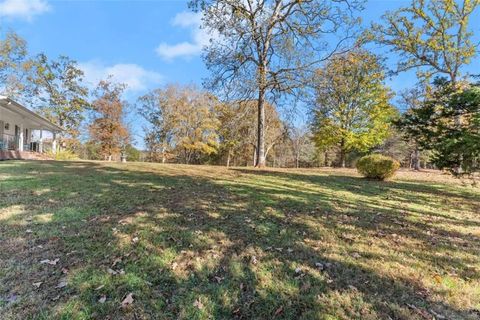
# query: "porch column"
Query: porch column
{"points": [[54, 143], [40, 144], [20, 138]]}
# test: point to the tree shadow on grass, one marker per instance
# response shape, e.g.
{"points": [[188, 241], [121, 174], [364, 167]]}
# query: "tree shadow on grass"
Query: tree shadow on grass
{"points": [[206, 248], [406, 191]]}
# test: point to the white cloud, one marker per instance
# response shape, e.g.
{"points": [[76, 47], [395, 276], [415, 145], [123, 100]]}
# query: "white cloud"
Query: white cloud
{"points": [[25, 9], [185, 49], [187, 19], [200, 37], [134, 76]]}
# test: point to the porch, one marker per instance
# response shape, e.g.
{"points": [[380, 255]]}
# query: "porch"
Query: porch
{"points": [[9, 142], [23, 132]]}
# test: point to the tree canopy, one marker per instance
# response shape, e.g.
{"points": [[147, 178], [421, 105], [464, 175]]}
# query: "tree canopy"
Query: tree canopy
{"points": [[456, 148], [59, 93], [107, 128], [181, 118], [352, 108], [431, 36], [263, 48]]}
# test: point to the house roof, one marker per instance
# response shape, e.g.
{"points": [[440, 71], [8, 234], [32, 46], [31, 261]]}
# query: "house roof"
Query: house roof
{"points": [[26, 113]]}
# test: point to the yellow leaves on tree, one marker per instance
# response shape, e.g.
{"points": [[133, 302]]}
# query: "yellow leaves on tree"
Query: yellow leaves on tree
{"points": [[107, 128]]}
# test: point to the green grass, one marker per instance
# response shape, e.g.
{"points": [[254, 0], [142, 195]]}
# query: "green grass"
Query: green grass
{"points": [[199, 242]]}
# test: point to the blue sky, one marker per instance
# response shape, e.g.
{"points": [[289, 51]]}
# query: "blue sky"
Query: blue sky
{"points": [[143, 43]]}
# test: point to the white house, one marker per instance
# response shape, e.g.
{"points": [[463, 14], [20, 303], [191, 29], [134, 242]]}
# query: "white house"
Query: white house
{"points": [[23, 132]]}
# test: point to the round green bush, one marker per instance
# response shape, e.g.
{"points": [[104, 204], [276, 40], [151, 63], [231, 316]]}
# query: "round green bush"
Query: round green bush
{"points": [[377, 166]]}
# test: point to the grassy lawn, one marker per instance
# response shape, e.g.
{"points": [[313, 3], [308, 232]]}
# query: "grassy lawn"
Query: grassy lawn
{"points": [[199, 242]]}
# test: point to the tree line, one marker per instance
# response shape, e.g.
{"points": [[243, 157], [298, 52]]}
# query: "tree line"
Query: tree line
{"points": [[271, 58]]}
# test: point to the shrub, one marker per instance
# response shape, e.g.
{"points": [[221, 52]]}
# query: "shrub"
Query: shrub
{"points": [[63, 155], [377, 166]]}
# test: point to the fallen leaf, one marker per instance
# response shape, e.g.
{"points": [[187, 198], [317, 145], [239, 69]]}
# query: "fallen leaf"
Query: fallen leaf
{"points": [[111, 271], [99, 287], [127, 301], [438, 315], [55, 298], [37, 284], [319, 266], [298, 270], [102, 299], [50, 262], [198, 304], [254, 260], [29, 231], [135, 240], [62, 284], [279, 310], [64, 270]]}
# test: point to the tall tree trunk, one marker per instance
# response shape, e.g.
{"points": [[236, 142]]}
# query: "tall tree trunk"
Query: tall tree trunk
{"points": [[416, 159], [342, 153], [342, 158], [228, 157], [187, 156], [260, 161], [164, 156], [458, 124], [254, 155], [325, 163]]}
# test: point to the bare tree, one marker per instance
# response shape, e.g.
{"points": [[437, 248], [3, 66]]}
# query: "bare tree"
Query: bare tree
{"points": [[263, 49], [300, 138]]}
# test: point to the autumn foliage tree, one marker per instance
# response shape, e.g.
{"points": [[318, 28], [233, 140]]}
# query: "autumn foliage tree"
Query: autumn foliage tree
{"points": [[107, 129], [182, 122], [352, 109]]}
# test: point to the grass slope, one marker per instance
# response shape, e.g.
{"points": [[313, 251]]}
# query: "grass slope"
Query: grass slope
{"points": [[199, 242]]}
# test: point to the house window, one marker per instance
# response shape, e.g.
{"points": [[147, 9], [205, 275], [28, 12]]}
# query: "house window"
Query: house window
{"points": [[7, 126]]}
